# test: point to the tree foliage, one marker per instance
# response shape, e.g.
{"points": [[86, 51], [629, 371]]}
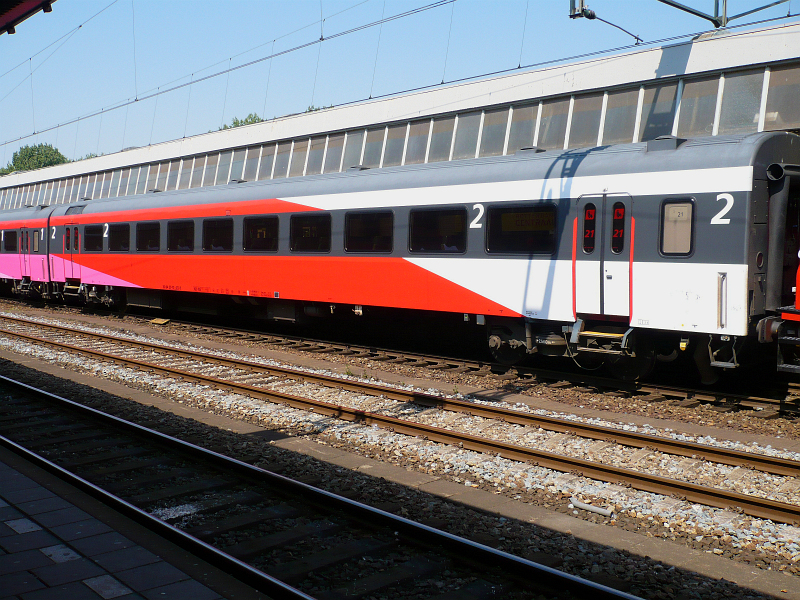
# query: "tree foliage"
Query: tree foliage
{"points": [[248, 120], [28, 158]]}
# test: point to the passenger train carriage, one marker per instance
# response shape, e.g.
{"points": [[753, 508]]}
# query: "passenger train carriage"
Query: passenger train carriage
{"points": [[621, 252]]}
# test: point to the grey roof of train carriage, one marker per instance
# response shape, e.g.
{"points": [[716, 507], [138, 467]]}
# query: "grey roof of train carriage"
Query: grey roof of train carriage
{"points": [[757, 149]]}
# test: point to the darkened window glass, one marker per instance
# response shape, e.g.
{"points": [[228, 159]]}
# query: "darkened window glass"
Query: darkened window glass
{"points": [[67, 238], [148, 237], [333, 157], [93, 238], [589, 227], [36, 240], [119, 237], [368, 232], [521, 229], [417, 142], [618, 228], [310, 233], [676, 227], [10, 241], [218, 235], [261, 234], [180, 236], [442, 230]]}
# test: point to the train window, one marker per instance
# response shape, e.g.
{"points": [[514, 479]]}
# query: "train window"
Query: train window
{"points": [[553, 124], [521, 229], [441, 139], [180, 236], [783, 110], [36, 240], [467, 129], [585, 123], [417, 142], [299, 153], [493, 134], [352, 149], [237, 164], [218, 235], [618, 228], [523, 125], [374, 147], [676, 227], [251, 163], [395, 140], [148, 237], [75, 238], [67, 236], [589, 227], [658, 111], [741, 102], [316, 152], [265, 164], [261, 234], [93, 238], [75, 210], [119, 237], [442, 230], [310, 233], [281, 166], [10, 241], [620, 116], [698, 105], [333, 157], [368, 232], [223, 171]]}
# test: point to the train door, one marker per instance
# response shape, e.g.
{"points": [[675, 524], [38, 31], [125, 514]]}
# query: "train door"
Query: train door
{"points": [[24, 252], [601, 273], [55, 249], [72, 249]]}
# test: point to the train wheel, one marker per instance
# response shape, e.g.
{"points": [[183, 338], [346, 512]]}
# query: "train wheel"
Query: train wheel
{"points": [[504, 352]]}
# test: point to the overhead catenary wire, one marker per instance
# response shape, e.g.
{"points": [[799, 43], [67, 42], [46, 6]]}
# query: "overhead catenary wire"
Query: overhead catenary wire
{"points": [[449, 31], [377, 50], [135, 74], [189, 84]]}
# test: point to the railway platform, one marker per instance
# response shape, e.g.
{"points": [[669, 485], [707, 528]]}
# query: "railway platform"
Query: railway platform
{"points": [[57, 543]]}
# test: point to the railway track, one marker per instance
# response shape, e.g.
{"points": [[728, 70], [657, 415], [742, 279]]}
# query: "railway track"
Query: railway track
{"points": [[784, 400], [257, 380], [281, 536]]}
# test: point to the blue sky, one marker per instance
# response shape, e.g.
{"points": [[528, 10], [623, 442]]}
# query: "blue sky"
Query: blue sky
{"points": [[177, 41]]}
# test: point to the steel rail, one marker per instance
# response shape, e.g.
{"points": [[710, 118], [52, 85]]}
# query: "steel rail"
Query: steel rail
{"points": [[750, 505], [517, 567], [738, 458]]}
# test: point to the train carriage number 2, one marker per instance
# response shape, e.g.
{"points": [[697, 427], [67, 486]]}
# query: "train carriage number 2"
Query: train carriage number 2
{"points": [[476, 222], [718, 218]]}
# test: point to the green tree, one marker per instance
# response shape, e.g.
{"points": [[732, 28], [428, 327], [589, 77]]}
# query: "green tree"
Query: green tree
{"points": [[28, 158], [248, 120]]}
